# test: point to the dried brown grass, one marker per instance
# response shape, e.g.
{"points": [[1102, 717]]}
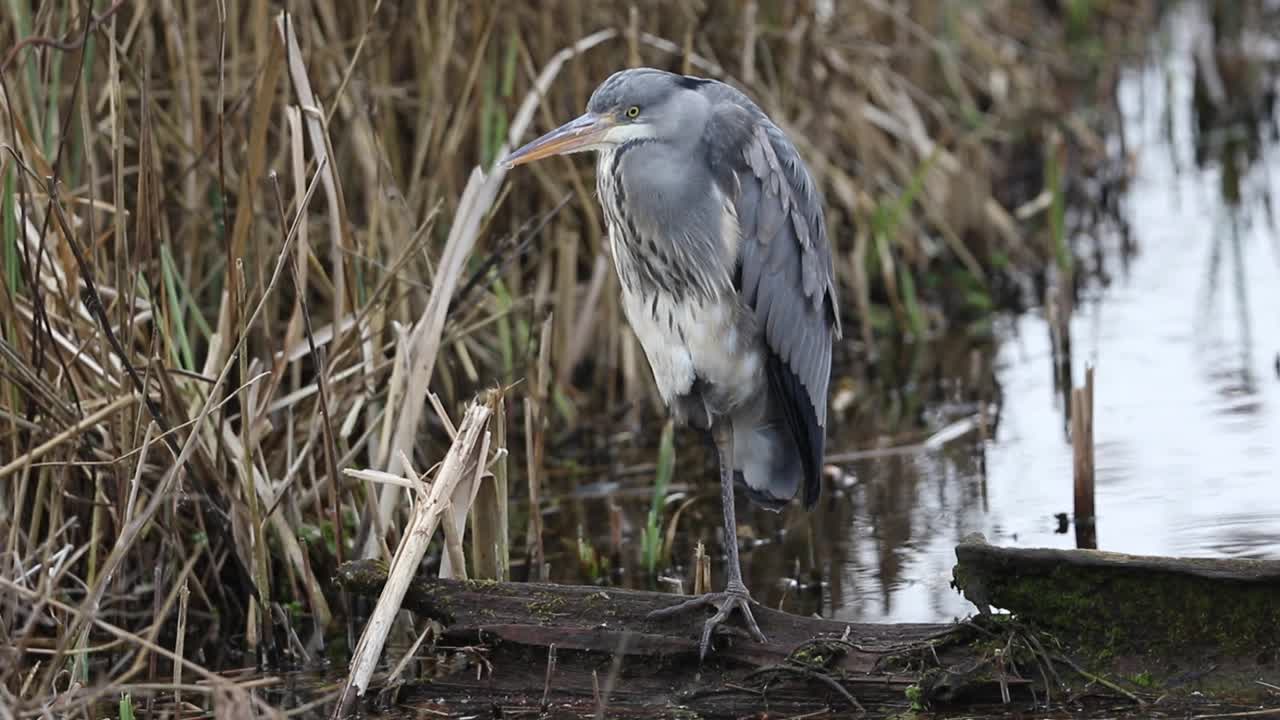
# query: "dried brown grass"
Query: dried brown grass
{"points": [[241, 249]]}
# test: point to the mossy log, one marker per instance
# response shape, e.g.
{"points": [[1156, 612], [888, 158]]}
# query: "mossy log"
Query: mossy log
{"points": [[605, 648], [1128, 603]]}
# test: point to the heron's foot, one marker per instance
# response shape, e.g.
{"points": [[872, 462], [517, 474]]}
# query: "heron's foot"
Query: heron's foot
{"points": [[724, 603]]}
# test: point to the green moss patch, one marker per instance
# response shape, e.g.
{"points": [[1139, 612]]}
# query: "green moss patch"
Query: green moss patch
{"points": [[1118, 604]]}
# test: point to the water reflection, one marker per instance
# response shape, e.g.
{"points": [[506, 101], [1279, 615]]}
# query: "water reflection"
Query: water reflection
{"points": [[1187, 403]]}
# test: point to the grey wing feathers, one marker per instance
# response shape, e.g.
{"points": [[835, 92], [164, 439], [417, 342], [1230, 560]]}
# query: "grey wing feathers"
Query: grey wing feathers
{"points": [[784, 269]]}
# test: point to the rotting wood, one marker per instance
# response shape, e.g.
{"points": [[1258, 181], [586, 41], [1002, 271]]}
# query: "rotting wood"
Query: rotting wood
{"points": [[810, 664]]}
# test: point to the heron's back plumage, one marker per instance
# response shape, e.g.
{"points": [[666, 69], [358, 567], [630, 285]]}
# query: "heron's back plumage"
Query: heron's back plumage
{"points": [[784, 274]]}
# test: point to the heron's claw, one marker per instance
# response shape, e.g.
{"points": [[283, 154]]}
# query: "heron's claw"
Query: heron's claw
{"points": [[724, 604]]}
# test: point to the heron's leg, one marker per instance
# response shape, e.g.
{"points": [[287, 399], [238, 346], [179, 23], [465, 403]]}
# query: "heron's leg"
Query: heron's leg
{"points": [[722, 433], [735, 595]]}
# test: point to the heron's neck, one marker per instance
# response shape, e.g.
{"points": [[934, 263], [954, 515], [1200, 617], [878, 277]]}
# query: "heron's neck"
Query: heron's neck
{"points": [[665, 218]]}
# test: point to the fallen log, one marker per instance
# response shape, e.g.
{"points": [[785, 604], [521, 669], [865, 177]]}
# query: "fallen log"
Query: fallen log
{"points": [[1128, 602], [574, 648]]}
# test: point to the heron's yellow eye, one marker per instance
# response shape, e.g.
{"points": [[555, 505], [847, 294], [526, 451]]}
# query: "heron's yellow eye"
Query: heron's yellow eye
{"points": [[633, 112]]}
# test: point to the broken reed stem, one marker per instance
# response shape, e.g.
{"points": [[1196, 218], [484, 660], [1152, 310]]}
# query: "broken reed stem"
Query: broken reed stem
{"points": [[454, 563], [701, 570], [490, 541], [533, 537], [1083, 465], [432, 506], [184, 597], [453, 566]]}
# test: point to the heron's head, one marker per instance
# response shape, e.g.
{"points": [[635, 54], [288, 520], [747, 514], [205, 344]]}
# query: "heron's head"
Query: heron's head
{"points": [[636, 105]]}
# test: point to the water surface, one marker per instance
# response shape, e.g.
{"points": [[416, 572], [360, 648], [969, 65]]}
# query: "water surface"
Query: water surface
{"points": [[1185, 340]]}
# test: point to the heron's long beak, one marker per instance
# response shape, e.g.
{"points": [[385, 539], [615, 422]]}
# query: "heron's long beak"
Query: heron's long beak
{"points": [[577, 134]]}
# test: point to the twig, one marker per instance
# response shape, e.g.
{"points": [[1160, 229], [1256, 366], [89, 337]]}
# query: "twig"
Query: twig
{"points": [[1266, 712], [1098, 679], [551, 670], [409, 654], [795, 669]]}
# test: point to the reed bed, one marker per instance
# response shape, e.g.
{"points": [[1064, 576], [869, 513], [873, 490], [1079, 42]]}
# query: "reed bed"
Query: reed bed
{"points": [[244, 251]]}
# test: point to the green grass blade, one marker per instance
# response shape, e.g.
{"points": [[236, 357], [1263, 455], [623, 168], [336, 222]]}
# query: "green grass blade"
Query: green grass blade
{"points": [[915, 315], [506, 343], [170, 276], [652, 535]]}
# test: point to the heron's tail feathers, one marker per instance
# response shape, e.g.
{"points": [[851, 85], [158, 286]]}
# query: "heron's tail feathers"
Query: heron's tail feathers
{"points": [[778, 441], [767, 463]]}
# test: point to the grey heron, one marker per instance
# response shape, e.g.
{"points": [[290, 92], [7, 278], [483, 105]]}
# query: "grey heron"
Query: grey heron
{"points": [[717, 233]]}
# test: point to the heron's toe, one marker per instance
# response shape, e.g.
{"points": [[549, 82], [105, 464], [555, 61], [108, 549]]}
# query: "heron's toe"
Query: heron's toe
{"points": [[680, 608], [724, 603]]}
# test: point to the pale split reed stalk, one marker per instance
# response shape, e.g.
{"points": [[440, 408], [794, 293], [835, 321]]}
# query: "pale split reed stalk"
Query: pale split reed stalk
{"points": [[432, 506]]}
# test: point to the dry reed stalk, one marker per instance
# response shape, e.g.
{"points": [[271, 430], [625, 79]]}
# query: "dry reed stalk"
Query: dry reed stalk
{"points": [[313, 113], [584, 328], [432, 506], [184, 599], [70, 433], [1082, 446], [490, 543], [535, 409]]}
